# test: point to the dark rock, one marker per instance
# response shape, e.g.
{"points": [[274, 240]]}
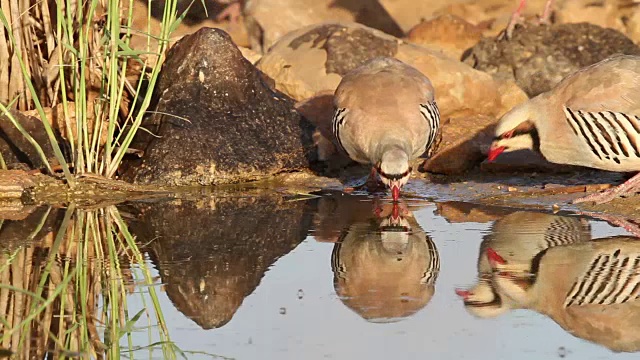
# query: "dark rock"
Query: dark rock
{"points": [[213, 253], [526, 160], [217, 121], [16, 150], [346, 50], [40, 222], [538, 57]]}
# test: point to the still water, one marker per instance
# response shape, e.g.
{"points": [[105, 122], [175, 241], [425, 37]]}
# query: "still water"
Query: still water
{"points": [[350, 277]]}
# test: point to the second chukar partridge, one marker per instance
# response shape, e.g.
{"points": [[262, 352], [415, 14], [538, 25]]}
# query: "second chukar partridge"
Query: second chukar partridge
{"points": [[591, 289], [386, 116], [513, 243], [591, 119]]}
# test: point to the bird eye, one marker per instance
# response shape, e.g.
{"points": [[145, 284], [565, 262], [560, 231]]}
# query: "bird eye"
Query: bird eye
{"points": [[508, 134]]}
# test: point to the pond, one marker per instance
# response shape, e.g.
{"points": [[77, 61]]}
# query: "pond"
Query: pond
{"points": [[330, 276]]}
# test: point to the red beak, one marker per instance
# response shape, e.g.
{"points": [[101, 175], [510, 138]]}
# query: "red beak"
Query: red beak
{"points": [[395, 212], [464, 294], [395, 193], [494, 258], [494, 152]]}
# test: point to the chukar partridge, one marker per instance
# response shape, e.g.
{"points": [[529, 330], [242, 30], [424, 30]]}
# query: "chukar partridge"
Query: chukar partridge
{"points": [[385, 268], [592, 290], [386, 116], [591, 119], [514, 241]]}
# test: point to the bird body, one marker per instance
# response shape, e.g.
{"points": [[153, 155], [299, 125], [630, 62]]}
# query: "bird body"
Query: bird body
{"points": [[591, 119], [591, 289], [513, 245], [386, 116], [385, 268]]}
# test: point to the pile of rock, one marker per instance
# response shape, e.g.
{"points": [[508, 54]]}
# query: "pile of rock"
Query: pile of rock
{"points": [[227, 113]]}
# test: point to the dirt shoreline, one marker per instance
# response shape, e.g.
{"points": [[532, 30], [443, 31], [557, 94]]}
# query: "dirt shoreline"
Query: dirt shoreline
{"points": [[533, 191]]}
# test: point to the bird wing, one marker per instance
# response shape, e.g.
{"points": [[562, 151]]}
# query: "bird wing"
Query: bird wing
{"points": [[601, 105], [610, 85], [611, 136]]}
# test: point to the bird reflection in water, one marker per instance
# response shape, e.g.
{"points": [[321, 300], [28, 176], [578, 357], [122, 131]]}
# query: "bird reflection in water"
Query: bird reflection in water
{"points": [[590, 287], [385, 267]]}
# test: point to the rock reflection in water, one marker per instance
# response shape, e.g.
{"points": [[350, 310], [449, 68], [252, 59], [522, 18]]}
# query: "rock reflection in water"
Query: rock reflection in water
{"points": [[212, 253], [28, 227], [385, 266], [550, 264]]}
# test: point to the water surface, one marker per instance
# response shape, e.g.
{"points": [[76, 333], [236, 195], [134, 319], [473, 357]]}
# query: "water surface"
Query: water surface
{"points": [[349, 276]]}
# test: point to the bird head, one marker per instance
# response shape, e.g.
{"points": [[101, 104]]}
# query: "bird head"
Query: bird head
{"points": [[482, 301], [394, 170], [515, 131], [512, 280]]}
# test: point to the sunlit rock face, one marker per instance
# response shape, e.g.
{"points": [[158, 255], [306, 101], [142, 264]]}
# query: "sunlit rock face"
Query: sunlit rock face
{"points": [[217, 121]]}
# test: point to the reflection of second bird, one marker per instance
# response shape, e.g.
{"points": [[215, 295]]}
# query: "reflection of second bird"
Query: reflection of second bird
{"points": [[550, 264], [518, 239], [591, 289], [385, 268]]}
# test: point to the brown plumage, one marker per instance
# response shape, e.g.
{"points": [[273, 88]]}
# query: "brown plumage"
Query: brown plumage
{"points": [[386, 116], [591, 118], [385, 268]]}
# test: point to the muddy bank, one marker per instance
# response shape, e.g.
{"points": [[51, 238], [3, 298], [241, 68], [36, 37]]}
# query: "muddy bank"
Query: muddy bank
{"points": [[549, 192]]}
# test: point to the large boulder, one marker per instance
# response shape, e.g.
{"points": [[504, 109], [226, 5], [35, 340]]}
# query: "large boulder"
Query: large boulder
{"points": [[217, 121], [208, 253], [538, 57], [268, 20], [314, 59]]}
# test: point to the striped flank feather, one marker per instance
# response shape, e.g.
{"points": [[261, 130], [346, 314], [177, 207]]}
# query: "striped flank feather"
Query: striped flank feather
{"points": [[562, 231], [337, 124], [611, 136], [611, 278], [433, 269], [431, 113], [429, 276]]}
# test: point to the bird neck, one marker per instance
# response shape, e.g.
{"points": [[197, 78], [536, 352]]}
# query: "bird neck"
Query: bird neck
{"points": [[393, 160], [391, 149]]}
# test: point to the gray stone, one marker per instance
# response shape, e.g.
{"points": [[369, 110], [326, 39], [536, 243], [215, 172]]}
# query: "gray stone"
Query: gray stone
{"points": [[538, 57], [217, 121]]}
